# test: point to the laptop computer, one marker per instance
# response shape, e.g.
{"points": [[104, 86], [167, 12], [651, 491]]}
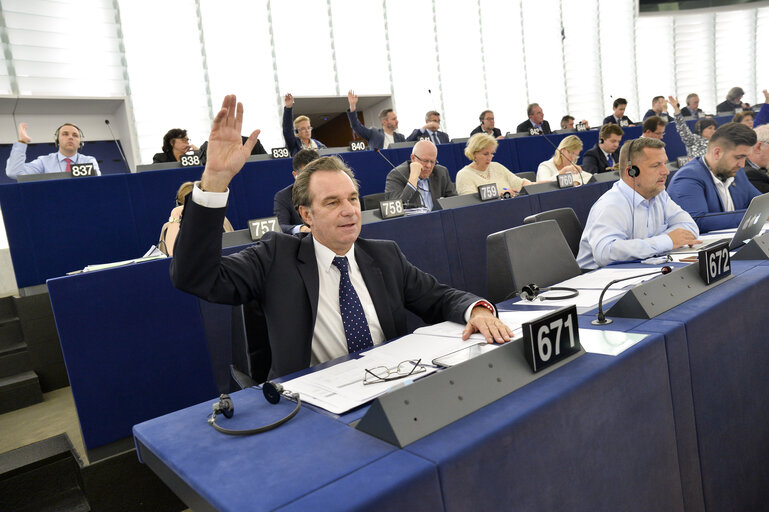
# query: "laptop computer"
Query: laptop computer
{"points": [[750, 226]]}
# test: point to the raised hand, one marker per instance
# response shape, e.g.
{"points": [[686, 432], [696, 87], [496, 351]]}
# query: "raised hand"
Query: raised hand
{"points": [[23, 133], [226, 151], [352, 98], [676, 105], [288, 99]]}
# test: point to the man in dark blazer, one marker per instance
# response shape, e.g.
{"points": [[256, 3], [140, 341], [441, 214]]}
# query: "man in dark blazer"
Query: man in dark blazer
{"points": [[597, 158], [716, 182], [420, 181], [487, 125], [758, 160], [535, 124], [283, 205], [377, 138], [431, 130], [295, 279], [659, 109], [618, 117]]}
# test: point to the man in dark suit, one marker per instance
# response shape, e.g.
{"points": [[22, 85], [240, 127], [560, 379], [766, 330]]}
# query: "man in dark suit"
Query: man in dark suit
{"points": [[716, 182], [323, 294], [431, 130], [733, 101], [421, 181], [618, 117], [604, 156], [659, 109], [535, 124], [487, 125], [377, 138], [283, 205], [758, 160]]}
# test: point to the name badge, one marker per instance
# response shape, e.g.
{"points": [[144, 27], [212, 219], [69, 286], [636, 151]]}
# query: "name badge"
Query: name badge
{"points": [[80, 170], [535, 131], [258, 227], [488, 191], [189, 160], [280, 153], [551, 338], [623, 123], [715, 263], [565, 180], [581, 127], [391, 208], [357, 145]]}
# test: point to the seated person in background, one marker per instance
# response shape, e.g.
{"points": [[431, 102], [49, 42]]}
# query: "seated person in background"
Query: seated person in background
{"points": [[431, 130], [176, 144], [619, 117], [604, 156], [692, 107], [324, 294], [567, 123], [659, 109], [716, 182], [696, 143], [654, 128], [258, 149], [564, 161], [733, 101], [170, 229], [480, 149], [377, 138], [283, 204], [419, 182], [535, 124], [636, 219], [747, 117], [68, 138], [300, 136], [758, 160], [487, 125]]}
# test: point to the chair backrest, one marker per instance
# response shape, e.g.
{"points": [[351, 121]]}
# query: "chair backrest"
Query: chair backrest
{"points": [[371, 201], [533, 253], [527, 175], [407, 144], [567, 220], [448, 203]]}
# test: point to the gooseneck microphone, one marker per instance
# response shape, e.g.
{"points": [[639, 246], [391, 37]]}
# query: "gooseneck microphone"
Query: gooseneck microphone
{"points": [[559, 151], [114, 139], [379, 152], [602, 320]]}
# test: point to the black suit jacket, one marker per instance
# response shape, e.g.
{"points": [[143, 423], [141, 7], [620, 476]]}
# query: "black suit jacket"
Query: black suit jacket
{"points": [[396, 186], [443, 137], [758, 177], [281, 273], [594, 161], [526, 126], [283, 209], [478, 129], [610, 120]]}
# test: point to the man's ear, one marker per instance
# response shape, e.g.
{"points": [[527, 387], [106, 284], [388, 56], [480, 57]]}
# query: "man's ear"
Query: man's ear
{"points": [[306, 215]]}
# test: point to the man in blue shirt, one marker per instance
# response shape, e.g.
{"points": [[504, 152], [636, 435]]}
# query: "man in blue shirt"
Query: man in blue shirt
{"points": [[716, 182], [636, 219], [69, 139]]}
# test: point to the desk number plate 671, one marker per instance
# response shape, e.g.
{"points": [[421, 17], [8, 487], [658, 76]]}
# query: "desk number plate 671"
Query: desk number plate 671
{"points": [[551, 338]]}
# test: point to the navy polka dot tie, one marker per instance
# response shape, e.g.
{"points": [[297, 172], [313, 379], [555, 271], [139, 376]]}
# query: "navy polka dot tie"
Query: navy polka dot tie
{"points": [[354, 320]]}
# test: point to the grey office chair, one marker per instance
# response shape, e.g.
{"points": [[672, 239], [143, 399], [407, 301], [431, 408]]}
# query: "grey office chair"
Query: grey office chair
{"points": [[371, 201], [527, 175], [567, 220], [533, 253]]}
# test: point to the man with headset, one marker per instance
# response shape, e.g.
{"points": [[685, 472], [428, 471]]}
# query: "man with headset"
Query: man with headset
{"points": [[68, 138], [636, 219]]}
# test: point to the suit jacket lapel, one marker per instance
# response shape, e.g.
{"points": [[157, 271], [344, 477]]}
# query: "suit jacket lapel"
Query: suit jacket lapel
{"points": [[372, 276], [308, 269]]}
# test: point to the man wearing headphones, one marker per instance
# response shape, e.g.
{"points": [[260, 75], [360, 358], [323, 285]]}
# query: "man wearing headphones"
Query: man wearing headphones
{"points": [[487, 125], [604, 156], [636, 219], [68, 138]]}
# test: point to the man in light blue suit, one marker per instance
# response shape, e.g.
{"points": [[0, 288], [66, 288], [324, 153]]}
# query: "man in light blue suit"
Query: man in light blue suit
{"points": [[716, 182]]}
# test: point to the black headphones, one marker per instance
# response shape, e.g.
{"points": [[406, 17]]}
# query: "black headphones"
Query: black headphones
{"points": [[633, 170], [56, 134], [272, 392], [600, 140], [532, 291]]}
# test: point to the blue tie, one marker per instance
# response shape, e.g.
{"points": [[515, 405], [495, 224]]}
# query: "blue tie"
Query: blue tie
{"points": [[611, 161], [354, 320], [423, 185]]}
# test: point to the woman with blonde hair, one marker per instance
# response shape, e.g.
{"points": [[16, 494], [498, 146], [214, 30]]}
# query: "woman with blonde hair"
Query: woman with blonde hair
{"points": [[564, 161], [482, 171], [301, 135]]}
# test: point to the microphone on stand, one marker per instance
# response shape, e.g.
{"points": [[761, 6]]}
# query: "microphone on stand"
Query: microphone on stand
{"points": [[379, 152], [602, 320], [114, 139]]}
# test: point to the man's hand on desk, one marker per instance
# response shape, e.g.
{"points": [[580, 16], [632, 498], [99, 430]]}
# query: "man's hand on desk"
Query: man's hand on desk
{"points": [[226, 151], [681, 237], [492, 328]]}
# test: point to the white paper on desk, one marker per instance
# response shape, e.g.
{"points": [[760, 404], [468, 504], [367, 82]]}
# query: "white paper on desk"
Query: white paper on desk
{"points": [[598, 279], [585, 301], [610, 343]]}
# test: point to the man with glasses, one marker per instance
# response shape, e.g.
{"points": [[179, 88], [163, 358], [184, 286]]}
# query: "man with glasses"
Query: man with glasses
{"points": [[431, 130], [758, 160], [487, 125], [420, 181], [654, 128]]}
